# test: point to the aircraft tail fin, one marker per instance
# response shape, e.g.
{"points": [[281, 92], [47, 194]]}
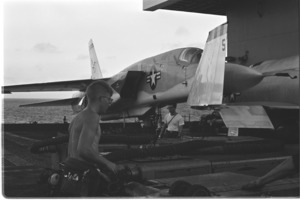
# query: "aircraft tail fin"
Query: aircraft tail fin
{"points": [[207, 87], [95, 67]]}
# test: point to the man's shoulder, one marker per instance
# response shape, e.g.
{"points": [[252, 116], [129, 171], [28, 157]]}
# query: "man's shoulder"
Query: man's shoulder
{"points": [[90, 114], [179, 116], [87, 117]]}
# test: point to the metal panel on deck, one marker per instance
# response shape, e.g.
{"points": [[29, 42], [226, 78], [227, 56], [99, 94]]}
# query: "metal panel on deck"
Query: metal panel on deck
{"points": [[171, 168], [254, 167]]}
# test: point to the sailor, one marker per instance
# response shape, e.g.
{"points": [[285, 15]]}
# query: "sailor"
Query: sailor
{"points": [[84, 136], [173, 123], [65, 120]]}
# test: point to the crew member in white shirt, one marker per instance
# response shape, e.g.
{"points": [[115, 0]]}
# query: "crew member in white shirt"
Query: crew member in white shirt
{"points": [[173, 124]]}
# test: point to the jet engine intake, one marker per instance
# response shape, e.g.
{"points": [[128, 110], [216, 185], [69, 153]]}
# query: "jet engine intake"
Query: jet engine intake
{"points": [[81, 103]]}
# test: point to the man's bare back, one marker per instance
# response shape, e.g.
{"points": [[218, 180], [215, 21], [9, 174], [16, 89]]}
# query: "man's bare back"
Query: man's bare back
{"points": [[85, 133], [76, 131], [85, 130]]}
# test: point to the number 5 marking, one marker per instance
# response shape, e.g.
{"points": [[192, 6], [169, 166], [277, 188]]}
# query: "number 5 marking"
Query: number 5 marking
{"points": [[223, 44]]}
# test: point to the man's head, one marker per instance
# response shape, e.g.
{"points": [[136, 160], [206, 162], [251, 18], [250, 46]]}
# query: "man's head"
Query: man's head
{"points": [[172, 108], [99, 96]]}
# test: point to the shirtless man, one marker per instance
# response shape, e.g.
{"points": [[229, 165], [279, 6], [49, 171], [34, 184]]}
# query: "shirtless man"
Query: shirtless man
{"points": [[85, 131]]}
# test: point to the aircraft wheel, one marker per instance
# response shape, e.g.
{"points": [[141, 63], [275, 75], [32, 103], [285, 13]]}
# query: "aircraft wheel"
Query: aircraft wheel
{"points": [[114, 188], [197, 191], [178, 188]]}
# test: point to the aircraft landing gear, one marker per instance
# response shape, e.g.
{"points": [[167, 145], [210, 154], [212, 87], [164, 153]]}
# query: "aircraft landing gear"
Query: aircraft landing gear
{"points": [[152, 122]]}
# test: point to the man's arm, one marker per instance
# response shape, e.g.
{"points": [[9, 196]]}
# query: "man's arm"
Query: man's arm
{"points": [[85, 143], [180, 126], [163, 128], [180, 130]]}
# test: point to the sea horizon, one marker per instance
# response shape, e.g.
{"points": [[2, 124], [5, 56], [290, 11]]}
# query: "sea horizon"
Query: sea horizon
{"points": [[12, 113]]}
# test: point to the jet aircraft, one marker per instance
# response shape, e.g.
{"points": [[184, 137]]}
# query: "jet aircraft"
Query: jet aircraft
{"points": [[138, 89], [149, 83], [264, 95]]}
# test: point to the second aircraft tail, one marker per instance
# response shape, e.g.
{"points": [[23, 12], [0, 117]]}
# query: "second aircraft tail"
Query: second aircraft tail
{"points": [[95, 67], [207, 88]]}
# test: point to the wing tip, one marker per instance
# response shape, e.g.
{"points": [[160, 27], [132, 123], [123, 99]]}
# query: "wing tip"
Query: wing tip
{"points": [[6, 91]]}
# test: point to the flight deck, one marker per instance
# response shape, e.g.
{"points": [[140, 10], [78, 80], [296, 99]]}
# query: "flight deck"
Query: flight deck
{"points": [[25, 173]]}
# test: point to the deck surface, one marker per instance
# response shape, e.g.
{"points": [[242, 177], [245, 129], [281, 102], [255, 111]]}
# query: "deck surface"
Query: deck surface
{"points": [[21, 173]]}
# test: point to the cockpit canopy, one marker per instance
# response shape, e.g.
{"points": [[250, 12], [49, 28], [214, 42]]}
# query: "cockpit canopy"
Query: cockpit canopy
{"points": [[191, 55]]}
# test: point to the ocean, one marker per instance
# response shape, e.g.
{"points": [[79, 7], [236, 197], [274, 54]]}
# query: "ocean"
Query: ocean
{"points": [[12, 113]]}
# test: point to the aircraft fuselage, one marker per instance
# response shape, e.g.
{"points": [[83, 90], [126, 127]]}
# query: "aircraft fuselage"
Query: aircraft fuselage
{"points": [[274, 91], [166, 78]]}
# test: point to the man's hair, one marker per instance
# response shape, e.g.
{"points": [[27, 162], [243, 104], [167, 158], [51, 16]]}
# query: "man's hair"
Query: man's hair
{"points": [[172, 105], [96, 89]]}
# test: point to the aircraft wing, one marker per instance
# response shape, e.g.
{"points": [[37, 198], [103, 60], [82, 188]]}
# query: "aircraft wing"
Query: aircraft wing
{"points": [[75, 85], [63, 102], [207, 87], [292, 107], [269, 104]]}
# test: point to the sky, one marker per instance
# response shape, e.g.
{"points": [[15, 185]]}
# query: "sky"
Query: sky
{"points": [[46, 41]]}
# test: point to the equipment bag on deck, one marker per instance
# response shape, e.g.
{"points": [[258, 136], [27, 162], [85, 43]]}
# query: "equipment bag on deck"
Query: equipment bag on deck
{"points": [[80, 179]]}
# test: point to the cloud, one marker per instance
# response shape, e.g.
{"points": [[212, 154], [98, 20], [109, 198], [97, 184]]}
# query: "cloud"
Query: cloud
{"points": [[9, 80], [182, 31], [171, 46], [197, 44], [82, 57], [110, 57], [45, 48], [176, 45], [38, 68], [104, 71]]}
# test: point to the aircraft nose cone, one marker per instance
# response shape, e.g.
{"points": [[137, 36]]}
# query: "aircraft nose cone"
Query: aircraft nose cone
{"points": [[238, 78]]}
